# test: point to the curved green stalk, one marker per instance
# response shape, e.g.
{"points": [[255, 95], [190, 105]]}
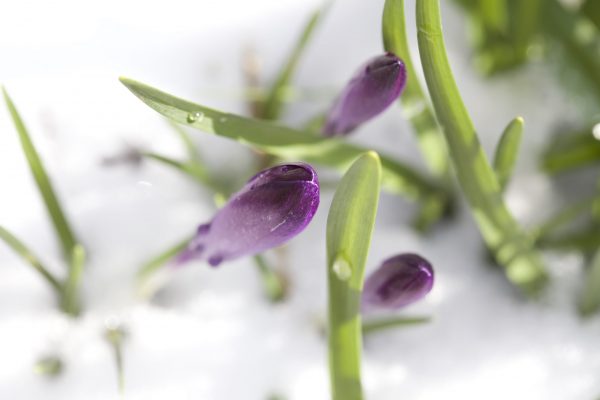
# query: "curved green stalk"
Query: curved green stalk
{"points": [[512, 248], [349, 227], [415, 104]]}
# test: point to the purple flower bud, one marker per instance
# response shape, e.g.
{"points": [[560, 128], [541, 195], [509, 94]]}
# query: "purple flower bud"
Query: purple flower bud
{"points": [[375, 86], [274, 206], [400, 281]]}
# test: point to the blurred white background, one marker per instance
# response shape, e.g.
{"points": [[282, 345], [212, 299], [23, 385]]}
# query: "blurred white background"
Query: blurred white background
{"points": [[210, 334]]}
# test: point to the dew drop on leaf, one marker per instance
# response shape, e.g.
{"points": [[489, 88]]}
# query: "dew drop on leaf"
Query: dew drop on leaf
{"points": [[194, 117], [342, 269]]}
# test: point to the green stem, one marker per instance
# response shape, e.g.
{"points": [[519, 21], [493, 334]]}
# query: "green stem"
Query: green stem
{"points": [[511, 246], [349, 227], [272, 283], [589, 302], [415, 104], [379, 324], [115, 336], [70, 302]]}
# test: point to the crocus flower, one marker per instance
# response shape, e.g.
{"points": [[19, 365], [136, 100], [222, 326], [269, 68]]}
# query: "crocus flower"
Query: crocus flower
{"points": [[398, 282], [375, 86], [274, 206]]}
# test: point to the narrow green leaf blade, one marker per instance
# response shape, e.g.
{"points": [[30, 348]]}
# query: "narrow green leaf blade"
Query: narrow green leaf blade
{"points": [[273, 105], [590, 297], [26, 254], [283, 141], [59, 220], [349, 228], [379, 324], [158, 261], [507, 151]]}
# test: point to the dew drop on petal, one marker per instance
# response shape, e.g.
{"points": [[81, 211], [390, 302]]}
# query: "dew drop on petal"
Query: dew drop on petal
{"points": [[196, 116], [342, 268]]}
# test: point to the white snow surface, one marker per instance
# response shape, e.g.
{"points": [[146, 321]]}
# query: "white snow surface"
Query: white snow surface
{"points": [[210, 334]]}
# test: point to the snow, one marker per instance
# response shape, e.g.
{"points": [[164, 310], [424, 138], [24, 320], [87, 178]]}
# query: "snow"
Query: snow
{"points": [[209, 334]]}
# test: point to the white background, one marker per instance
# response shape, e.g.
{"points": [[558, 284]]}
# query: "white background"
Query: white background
{"points": [[210, 335]]}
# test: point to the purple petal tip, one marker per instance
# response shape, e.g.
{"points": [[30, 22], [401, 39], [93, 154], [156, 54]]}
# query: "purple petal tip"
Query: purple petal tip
{"points": [[373, 88], [401, 280], [274, 206]]}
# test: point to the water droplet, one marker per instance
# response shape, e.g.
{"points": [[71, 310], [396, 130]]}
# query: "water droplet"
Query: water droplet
{"points": [[223, 119], [194, 117], [596, 131], [342, 269]]}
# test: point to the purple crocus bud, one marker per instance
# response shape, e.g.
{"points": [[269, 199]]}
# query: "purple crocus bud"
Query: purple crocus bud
{"points": [[400, 281], [274, 206], [375, 86]]}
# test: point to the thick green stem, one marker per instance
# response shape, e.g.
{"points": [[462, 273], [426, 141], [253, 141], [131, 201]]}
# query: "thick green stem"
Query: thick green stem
{"points": [[349, 228], [70, 291], [511, 246], [415, 104]]}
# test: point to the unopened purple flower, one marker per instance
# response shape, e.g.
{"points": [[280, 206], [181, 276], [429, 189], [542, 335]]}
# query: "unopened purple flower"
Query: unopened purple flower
{"points": [[398, 282], [375, 86], [274, 206]]}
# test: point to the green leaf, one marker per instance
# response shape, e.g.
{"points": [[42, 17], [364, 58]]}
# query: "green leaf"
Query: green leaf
{"points": [[349, 228], [414, 101], [565, 216], [185, 167], [590, 297], [283, 141], [591, 9], [274, 102], [378, 324], [561, 25], [571, 150], [507, 151], [511, 246], [59, 220], [26, 254]]}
